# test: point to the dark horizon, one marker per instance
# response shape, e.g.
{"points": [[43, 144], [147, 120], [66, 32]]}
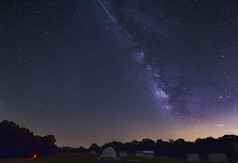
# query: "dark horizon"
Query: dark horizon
{"points": [[97, 71], [105, 143], [14, 137]]}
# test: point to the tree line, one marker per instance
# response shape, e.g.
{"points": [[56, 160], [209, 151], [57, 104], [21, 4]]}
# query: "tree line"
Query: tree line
{"points": [[16, 142], [178, 148], [20, 142]]}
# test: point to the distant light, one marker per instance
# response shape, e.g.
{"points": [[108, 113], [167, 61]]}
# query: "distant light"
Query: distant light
{"points": [[32, 157], [27, 159]]}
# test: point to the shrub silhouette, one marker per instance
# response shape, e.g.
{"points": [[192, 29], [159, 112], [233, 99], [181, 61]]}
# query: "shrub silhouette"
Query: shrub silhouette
{"points": [[20, 142]]}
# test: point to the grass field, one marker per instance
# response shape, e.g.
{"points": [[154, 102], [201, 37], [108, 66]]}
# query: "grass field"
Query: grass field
{"points": [[86, 158]]}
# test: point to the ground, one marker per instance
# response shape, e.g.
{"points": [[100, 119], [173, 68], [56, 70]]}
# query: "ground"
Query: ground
{"points": [[86, 158]]}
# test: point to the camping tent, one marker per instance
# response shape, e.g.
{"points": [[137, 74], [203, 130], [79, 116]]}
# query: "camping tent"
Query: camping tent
{"points": [[217, 157], [149, 154], [192, 157], [108, 156]]}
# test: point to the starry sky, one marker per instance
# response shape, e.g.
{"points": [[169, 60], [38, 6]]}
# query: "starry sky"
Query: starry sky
{"points": [[102, 70]]}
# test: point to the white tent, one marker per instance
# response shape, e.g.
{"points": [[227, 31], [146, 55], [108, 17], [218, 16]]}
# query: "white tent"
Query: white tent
{"points": [[149, 154], [192, 157], [108, 156], [217, 157], [109, 152]]}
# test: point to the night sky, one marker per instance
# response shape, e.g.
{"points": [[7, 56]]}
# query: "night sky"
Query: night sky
{"points": [[94, 71]]}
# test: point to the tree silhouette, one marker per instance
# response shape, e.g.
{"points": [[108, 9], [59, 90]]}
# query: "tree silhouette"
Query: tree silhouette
{"points": [[20, 142], [94, 147], [180, 147]]}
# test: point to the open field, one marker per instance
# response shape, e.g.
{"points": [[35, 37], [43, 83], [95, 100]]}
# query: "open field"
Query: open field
{"points": [[85, 158]]}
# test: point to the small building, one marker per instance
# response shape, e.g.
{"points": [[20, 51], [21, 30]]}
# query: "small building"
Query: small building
{"points": [[123, 154], [217, 157], [139, 154], [149, 154], [192, 157], [108, 156]]}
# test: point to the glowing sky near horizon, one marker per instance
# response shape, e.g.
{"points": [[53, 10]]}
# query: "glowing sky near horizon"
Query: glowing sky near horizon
{"points": [[97, 71]]}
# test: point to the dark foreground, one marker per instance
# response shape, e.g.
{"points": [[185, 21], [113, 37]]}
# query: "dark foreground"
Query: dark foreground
{"points": [[86, 158]]}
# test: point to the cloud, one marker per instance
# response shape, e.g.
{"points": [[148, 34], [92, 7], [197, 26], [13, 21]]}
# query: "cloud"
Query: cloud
{"points": [[232, 131], [220, 125]]}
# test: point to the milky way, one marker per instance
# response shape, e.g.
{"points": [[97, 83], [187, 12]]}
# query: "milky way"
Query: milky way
{"points": [[103, 70], [173, 87], [188, 85]]}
